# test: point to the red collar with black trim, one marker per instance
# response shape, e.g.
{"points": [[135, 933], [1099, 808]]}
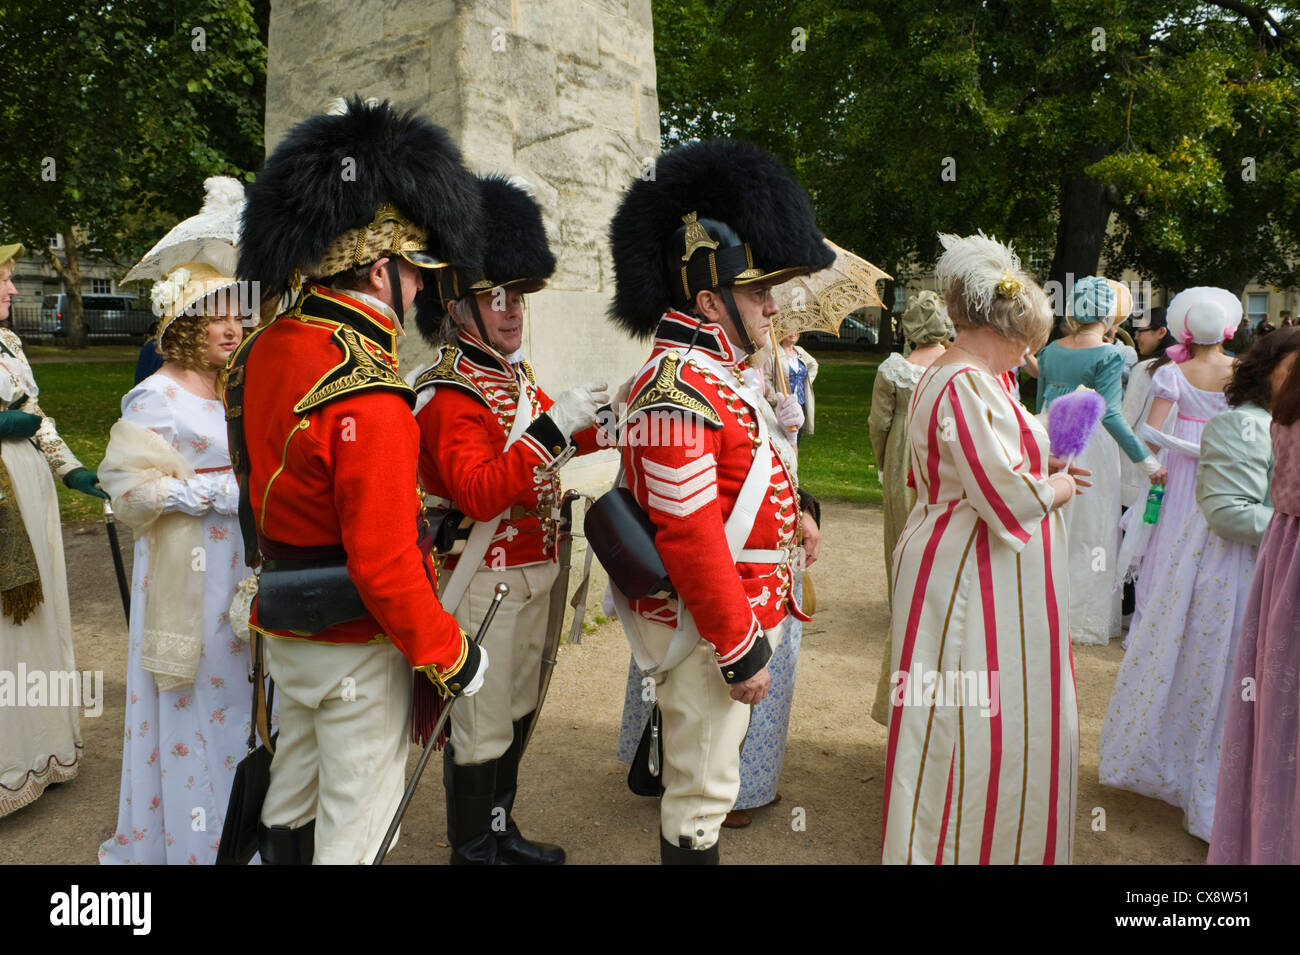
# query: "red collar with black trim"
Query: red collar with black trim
{"points": [[684, 331], [319, 301], [484, 357]]}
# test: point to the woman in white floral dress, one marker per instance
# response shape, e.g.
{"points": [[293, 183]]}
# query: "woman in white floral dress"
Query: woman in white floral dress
{"points": [[39, 745], [181, 745]]}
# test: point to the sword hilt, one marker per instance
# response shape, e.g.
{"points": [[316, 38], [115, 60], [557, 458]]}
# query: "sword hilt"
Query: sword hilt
{"points": [[498, 595]]}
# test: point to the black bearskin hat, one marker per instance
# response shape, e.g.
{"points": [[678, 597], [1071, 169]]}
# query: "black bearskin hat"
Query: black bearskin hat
{"points": [[711, 214], [516, 254], [344, 189]]}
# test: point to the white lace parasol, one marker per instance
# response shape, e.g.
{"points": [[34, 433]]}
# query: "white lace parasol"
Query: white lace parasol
{"points": [[822, 300]]}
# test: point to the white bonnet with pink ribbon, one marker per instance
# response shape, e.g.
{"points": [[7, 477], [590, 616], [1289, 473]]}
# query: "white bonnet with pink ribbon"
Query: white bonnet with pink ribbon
{"points": [[1202, 315]]}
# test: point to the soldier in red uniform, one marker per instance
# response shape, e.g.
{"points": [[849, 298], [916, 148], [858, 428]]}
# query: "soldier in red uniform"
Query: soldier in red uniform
{"points": [[353, 205], [697, 248], [491, 443]]}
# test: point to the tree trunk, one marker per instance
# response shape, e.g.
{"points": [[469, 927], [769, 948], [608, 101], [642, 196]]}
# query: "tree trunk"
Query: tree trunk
{"points": [[885, 333], [1085, 209], [68, 270]]}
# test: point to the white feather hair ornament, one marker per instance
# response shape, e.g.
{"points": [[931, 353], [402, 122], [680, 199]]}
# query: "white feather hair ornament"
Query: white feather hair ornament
{"points": [[986, 267]]}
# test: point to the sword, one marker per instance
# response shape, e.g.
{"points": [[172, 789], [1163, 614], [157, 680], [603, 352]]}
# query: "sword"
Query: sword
{"points": [[500, 594], [555, 610], [122, 588]]}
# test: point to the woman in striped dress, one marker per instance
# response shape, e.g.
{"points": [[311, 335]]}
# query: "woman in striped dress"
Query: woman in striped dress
{"points": [[983, 737]]}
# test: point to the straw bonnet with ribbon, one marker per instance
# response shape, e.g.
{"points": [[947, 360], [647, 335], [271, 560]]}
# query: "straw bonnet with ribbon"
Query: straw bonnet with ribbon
{"points": [[184, 291], [1202, 315], [516, 256], [10, 252], [713, 215], [349, 187]]}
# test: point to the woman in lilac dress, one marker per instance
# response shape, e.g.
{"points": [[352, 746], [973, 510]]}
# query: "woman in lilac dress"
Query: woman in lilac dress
{"points": [[1257, 811], [1191, 387], [1165, 720]]}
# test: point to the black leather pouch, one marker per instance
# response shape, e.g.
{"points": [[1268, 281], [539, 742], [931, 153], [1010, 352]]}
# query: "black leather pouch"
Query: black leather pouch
{"points": [[623, 538]]}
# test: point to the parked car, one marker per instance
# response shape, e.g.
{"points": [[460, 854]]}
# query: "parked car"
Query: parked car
{"points": [[854, 333], [105, 316]]}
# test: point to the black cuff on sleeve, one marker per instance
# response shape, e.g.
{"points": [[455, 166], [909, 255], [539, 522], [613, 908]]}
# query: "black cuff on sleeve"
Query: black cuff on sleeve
{"points": [[465, 675], [738, 671], [810, 505], [545, 433]]}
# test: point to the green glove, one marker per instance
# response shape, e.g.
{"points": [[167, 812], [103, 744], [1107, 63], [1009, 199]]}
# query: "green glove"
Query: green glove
{"points": [[85, 481], [18, 424]]}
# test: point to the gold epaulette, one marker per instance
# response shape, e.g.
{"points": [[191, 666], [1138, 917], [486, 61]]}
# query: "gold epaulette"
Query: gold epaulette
{"points": [[357, 372], [444, 372], [665, 390]]}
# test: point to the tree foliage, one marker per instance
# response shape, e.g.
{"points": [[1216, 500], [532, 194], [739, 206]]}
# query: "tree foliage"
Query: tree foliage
{"points": [[112, 115], [1031, 120]]}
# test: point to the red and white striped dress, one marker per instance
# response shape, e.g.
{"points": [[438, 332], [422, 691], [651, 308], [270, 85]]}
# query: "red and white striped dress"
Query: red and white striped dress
{"points": [[982, 767]]}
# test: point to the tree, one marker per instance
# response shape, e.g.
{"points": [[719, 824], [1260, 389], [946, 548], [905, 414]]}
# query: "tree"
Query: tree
{"points": [[112, 116], [1032, 121], [1218, 204]]}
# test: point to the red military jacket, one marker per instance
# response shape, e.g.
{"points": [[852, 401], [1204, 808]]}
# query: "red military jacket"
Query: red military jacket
{"points": [[463, 455], [332, 450], [688, 443]]}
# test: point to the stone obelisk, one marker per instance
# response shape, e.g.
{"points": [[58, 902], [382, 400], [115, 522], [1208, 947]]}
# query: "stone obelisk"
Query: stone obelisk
{"points": [[559, 92]]}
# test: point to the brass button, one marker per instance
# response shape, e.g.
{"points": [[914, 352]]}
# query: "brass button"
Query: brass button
{"points": [[731, 674], [556, 450], [454, 687]]}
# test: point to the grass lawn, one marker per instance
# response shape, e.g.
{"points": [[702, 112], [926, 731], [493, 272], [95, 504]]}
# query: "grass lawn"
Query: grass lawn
{"points": [[836, 462], [84, 398]]}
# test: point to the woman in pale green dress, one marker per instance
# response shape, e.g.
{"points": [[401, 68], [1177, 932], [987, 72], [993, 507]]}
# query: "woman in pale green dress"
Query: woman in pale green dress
{"points": [[926, 330]]}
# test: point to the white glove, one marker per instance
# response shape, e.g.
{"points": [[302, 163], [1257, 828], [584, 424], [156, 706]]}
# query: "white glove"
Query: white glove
{"points": [[1149, 465], [576, 408], [476, 684], [200, 495], [790, 413], [226, 499]]}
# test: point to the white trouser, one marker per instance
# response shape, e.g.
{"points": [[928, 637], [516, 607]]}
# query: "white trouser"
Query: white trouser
{"points": [[703, 730], [345, 713], [482, 725]]}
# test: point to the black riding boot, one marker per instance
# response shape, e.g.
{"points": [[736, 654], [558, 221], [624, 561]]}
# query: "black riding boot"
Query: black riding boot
{"points": [[670, 854], [469, 810], [512, 847], [280, 845]]}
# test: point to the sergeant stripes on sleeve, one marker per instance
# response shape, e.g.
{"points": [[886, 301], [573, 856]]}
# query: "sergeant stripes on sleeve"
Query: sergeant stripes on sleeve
{"points": [[680, 492]]}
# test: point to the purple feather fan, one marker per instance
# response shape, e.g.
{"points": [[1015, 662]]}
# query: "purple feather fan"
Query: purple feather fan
{"points": [[1071, 421]]}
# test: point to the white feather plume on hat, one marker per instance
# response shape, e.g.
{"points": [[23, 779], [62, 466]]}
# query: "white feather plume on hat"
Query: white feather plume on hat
{"points": [[209, 236], [987, 268]]}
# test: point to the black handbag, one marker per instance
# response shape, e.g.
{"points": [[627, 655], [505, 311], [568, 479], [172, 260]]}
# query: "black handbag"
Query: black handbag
{"points": [[252, 775], [622, 536], [645, 776]]}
